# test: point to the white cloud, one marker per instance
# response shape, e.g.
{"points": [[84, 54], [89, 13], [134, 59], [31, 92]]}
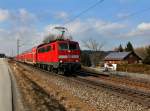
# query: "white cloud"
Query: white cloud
{"points": [[144, 26], [61, 15], [4, 14], [22, 26], [29, 37], [25, 16], [123, 15], [109, 32], [100, 30], [141, 30], [95, 28]]}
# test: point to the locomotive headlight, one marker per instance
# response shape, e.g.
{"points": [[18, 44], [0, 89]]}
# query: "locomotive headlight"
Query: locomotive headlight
{"points": [[77, 60], [60, 61]]}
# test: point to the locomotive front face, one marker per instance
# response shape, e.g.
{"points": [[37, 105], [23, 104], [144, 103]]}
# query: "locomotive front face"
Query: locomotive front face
{"points": [[69, 52], [69, 55]]}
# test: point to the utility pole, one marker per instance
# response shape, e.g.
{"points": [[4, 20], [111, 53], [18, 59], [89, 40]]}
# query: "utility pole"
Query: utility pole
{"points": [[18, 45], [12, 53]]}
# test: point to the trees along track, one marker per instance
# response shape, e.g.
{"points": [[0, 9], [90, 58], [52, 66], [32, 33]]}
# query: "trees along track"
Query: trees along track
{"points": [[133, 94]]}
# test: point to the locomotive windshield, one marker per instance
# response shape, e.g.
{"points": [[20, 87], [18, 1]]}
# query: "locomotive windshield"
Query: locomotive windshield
{"points": [[63, 46], [66, 46], [73, 47]]}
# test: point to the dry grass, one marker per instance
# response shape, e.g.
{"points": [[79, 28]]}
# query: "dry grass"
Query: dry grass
{"points": [[135, 68]]}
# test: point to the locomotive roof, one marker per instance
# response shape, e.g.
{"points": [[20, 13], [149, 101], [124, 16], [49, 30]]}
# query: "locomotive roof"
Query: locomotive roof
{"points": [[29, 50], [53, 42]]}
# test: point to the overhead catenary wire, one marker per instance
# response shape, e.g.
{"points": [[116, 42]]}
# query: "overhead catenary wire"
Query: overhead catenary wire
{"points": [[84, 11], [132, 14], [99, 2], [123, 18]]}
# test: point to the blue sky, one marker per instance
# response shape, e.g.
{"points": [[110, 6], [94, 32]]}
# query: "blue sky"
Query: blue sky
{"points": [[31, 20]]}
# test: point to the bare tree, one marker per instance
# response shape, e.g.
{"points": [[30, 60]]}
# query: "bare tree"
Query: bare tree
{"points": [[141, 51], [93, 45], [96, 48]]}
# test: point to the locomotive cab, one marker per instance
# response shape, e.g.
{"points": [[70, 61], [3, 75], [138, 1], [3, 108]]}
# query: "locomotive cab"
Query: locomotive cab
{"points": [[69, 56]]}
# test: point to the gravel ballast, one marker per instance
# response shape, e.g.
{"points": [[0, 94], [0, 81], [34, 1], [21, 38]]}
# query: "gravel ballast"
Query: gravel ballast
{"points": [[98, 99]]}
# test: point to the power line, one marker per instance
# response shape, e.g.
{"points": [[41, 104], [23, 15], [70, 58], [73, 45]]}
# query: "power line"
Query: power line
{"points": [[99, 2], [132, 14], [128, 16], [84, 11]]}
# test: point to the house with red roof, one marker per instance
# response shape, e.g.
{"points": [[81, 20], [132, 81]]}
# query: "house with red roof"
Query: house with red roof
{"points": [[122, 58]]}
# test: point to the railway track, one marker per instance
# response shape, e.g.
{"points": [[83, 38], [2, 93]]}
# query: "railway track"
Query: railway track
{"points": [[101, 75], [138, 96], [143, 85]]}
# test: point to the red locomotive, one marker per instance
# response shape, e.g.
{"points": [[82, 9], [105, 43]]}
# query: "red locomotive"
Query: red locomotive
{"points": [[59, 56]]}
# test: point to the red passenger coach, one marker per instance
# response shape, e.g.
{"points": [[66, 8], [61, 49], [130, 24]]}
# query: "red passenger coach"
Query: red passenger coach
{"points": [[30, 56], [59, 56]]}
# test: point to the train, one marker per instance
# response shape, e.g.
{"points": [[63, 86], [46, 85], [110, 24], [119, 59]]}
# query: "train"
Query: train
{"points": [[60, 56]]}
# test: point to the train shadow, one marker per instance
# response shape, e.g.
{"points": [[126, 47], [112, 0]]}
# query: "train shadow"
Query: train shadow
{"points": [[85, 74]]}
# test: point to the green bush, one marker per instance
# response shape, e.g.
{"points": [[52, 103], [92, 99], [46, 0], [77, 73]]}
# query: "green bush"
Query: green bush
{"points": [[85, 59]]}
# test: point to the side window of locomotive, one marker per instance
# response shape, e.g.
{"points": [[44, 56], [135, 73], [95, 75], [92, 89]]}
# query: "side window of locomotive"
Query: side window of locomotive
{"points": [[73, 46], [42, 50], [63, 46], [48, 48]]}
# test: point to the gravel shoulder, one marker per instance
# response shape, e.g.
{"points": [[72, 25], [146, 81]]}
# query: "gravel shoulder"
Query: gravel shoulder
{"points": [[33, 97]]}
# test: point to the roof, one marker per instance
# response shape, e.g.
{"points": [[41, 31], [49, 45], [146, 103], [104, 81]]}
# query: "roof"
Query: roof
{"points": [[43, 44], [117, 55]]}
